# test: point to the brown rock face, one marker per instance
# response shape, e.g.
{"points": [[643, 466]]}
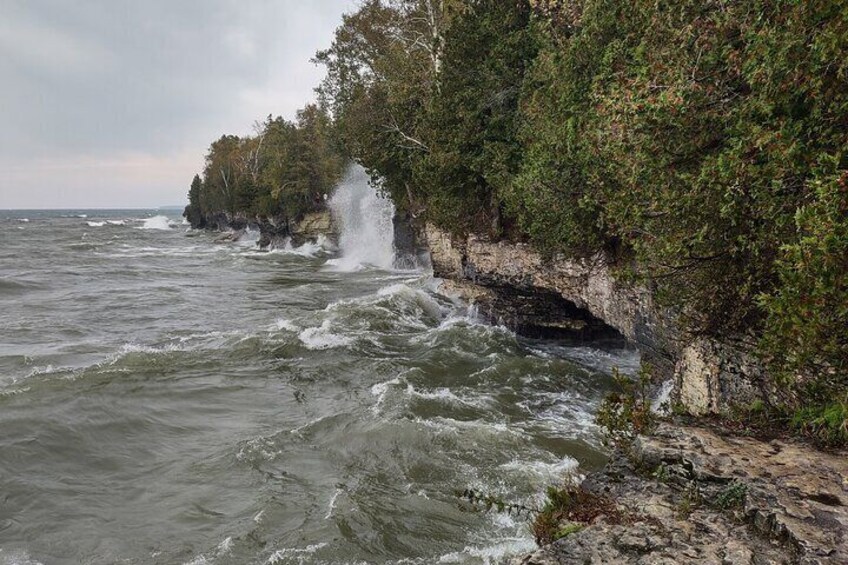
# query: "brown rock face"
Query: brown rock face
{"points": [[312, 226]]}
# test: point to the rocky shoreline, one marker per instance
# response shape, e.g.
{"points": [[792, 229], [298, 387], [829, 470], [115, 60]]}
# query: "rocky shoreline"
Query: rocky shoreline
{"points": [[690, 493], [693, 495], [710, 375]]}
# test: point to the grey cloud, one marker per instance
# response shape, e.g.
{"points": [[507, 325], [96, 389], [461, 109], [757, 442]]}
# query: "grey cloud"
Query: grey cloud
{"points": [[100, 79]]}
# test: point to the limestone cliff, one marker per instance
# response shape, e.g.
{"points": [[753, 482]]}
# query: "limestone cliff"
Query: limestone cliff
{"points": [[513, 283]]}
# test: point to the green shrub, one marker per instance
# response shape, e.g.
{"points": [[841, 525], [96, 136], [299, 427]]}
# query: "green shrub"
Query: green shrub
{"points": [[733, 496], [827, 424], [626, 413], [568, 509], [805, 339]]}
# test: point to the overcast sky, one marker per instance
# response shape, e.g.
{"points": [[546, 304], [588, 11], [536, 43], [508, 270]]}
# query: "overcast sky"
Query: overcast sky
{"points": [[113, 103]]}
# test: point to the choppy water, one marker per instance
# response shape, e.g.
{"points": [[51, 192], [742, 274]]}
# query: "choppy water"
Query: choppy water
{"points": [[164, 399]]}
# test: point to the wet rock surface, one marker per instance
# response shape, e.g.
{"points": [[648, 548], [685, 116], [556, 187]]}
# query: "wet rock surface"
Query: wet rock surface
{"points": [[696, 496], [587, 285]]}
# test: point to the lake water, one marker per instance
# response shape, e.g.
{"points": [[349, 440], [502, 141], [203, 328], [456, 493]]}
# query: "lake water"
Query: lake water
{"points": [[166, 399]]}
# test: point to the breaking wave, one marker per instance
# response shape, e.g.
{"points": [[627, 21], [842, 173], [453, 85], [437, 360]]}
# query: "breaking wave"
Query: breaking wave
{"points": [[157, 223]]}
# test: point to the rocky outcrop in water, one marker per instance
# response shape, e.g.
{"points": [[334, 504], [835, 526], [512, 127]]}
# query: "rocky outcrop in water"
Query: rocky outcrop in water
{"points": [[273, 231], [695, 496], [710, 376], [276, 231]]}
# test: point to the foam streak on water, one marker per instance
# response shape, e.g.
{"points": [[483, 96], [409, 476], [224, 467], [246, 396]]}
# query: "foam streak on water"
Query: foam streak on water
{"points": [[166, 399]]}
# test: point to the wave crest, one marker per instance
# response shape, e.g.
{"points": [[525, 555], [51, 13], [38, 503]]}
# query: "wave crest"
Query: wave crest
{"points": [[157, 223]]}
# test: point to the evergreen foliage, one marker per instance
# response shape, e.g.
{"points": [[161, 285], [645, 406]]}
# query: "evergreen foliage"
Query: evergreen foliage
{"points": [[703, 141], [284, 170]]}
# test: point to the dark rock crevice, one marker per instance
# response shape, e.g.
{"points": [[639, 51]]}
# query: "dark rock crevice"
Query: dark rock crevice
{"points": [[536, 313]]}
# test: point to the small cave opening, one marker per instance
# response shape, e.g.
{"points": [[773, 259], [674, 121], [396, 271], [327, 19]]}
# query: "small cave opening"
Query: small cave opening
{"points": [[544, 314]]}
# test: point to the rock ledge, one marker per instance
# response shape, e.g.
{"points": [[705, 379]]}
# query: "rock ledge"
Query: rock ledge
{"points": [[700, 497]]}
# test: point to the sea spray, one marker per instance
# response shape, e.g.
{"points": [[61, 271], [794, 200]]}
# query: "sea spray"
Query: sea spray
{"points": [[365, 222]]}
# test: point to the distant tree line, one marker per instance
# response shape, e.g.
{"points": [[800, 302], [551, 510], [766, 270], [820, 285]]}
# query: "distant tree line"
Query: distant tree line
{"points": [[284, 170], [703, 143]]}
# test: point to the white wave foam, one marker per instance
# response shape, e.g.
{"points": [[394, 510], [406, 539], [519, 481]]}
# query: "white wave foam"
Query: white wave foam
{"points": [[284, 324], [13, 392], [340, 264], [248, 238], [462, 319], [260, 447], [129, 348], [446, 395], [116, 222], [325, 242], [225, 546], [17, 558], [322, 244], [298, 431], [194, 342], [395, 289], [46, 370], [156, 223], [278, 556], [440, 394], [400, 306], [661, 404], [308, 249], [96, 224], [24, 220], [565, 413], [380, 390], [495, 552], [452, 426], [542, 473], [323, 337], [221, 550], [332, 505]]}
